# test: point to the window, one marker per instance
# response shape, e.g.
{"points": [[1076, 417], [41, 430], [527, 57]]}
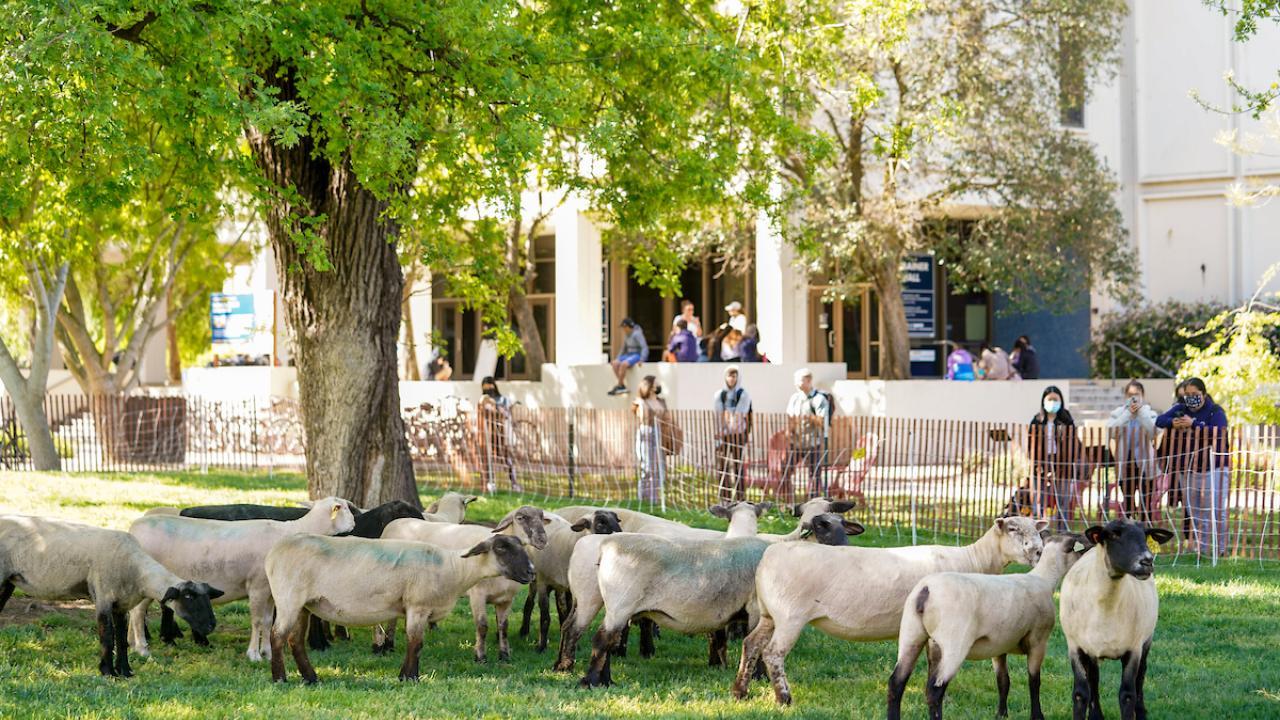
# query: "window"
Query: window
{"points": [[1071, 81]]}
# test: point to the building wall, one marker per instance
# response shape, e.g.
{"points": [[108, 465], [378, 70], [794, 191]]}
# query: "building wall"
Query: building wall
{"points": [[1059, 338]]}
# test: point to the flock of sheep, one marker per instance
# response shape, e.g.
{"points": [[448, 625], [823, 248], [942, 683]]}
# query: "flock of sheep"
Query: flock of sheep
{"points": [[304, 568]]}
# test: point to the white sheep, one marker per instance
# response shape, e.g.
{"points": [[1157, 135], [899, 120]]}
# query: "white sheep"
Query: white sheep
{"points": [[1109, 611], [229, 555], [358, 581], [634, 521], [856, 593], [552, 564], [977, 617], [527, 523], [450, 508], [56, 560]]}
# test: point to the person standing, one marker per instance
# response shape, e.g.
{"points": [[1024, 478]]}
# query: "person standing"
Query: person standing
{"points": [[683, 346], [808, 424], [749, 348], [732, 406], [1202, 426], [650, 410], [1055, 453], [737, 319], [634, 350], [1132, 428], [1024, 358], [692, 322], [499, 434]]}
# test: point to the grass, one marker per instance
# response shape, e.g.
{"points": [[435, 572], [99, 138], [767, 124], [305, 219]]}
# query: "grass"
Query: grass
{"points": [[1214, 654]]}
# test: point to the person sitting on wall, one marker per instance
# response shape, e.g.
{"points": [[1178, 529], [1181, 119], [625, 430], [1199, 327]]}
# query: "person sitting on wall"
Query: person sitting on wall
{"points": [[634, 349], [729, 351], [438, 368], [749, 348], [960, 364], [737, 319], [683, 346], [1024, 359], [995, 364]]}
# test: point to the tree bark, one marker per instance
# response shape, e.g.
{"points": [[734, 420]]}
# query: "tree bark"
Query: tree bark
{"points": [[895, 343], [527, 328], [28, 392], [171, 333], [346, 320]]}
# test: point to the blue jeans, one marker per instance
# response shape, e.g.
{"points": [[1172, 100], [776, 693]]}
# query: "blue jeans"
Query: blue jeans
{"points": [[1207, 503]]}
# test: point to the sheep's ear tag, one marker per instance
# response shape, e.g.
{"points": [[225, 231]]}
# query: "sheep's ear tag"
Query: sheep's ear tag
{"points": [[333, 514], [1079, 547], [1153, 546]]}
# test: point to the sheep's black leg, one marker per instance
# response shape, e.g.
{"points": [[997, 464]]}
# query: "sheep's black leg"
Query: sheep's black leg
{"points": [[199, 639], [1001, 665], [935, 691], [412, 652], [298, 645], [901, 674], [387, 643], [106, 641], [647, 648], [120, 628], [277, 657], [169, 629], [340, 632], [1095, 707], [564, 605], [1129, 685], [316, 636], [1033, 686], [752, 649], [570, 634], [544, 616], [620, 647], [718, 648], [1141, 680], [1082, 695], [6, 591], [526, 613], [599, 671]]}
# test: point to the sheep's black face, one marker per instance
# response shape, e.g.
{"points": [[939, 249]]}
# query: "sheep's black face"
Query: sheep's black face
{"points": [[605, 522], [513, 561], [1125, 543], [831, 529], [192, 602]]}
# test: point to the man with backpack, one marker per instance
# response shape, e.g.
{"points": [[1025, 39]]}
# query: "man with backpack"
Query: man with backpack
{"points": [[733, 413], [808, 425]]}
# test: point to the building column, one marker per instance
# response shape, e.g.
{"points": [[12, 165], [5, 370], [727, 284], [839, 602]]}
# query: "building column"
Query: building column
{"points": [[579, 286], [152, 366], [782, 296]]}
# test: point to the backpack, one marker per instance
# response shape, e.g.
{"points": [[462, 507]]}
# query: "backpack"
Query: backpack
{"points": [[736, 399]]}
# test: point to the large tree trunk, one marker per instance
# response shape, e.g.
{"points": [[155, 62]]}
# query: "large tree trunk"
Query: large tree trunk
{"points": [[527, 328], [895, 343], [29, 407], [346, 322], [27, 393]]}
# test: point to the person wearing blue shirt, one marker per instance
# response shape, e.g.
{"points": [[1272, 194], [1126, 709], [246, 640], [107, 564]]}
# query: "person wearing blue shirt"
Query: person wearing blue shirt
{"points": [[1199, 454], [683, 346], [633, 352]]}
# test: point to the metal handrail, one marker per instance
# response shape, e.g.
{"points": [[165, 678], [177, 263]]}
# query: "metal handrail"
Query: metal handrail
{"points": [[1150, 363]]}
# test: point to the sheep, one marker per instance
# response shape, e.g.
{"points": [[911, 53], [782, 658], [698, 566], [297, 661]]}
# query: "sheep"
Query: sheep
{"points": [[586, 558], [357, 581], [229, 555], [526, 522], [1109, 611], [635, 521], [856, 593], [163, 510], [450, 508], [977, 617], [246, 511], [688, 585], [552, 565], [53, 560]]}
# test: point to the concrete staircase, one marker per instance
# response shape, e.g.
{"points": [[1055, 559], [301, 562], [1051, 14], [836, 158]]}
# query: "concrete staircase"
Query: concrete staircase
{"points": [[1091, 401]]}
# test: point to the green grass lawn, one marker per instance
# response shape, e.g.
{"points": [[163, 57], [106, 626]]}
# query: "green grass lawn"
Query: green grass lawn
{"points": [[1215, 654]]}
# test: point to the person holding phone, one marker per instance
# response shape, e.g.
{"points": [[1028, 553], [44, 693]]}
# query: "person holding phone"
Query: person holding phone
{"points": [[1200, 457], [1132, 428]]}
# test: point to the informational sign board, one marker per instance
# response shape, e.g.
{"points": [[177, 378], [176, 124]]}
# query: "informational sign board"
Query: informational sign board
{"points": [[242, 322], [918, 296]]}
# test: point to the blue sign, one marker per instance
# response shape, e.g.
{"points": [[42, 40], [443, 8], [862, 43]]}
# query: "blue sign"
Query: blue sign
{"points": [[231, 317], [918, 296]]}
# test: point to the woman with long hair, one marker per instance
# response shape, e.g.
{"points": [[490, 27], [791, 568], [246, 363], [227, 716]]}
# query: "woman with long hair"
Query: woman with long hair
{"points": [[650, 409], [1198, 430], [499, 434], [1055, 456]]}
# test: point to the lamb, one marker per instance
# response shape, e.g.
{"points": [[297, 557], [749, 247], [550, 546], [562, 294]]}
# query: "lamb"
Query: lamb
{"points": [[973, 616], [229, 555], [857, 593], [450, 508], [54, 560], [552, 564], [357, 581], [526, 522], [1109, 611]]}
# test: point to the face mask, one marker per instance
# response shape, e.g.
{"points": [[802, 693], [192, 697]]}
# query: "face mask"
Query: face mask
{"points": [[1052, 406], [1193, 402]]}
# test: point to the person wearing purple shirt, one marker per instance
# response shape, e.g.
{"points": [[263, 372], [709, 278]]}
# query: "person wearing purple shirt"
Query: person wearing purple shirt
{"points": [[683, 345], [1199, 454]]}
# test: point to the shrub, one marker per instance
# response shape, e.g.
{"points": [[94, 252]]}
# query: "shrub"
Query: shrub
{"points": [[1152, 330]]}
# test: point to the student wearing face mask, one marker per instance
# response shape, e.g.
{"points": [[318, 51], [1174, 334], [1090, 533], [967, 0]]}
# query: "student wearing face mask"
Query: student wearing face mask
{"points": [[1199, 452], [1055, 455], [499, 434], [1132, 428]]}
